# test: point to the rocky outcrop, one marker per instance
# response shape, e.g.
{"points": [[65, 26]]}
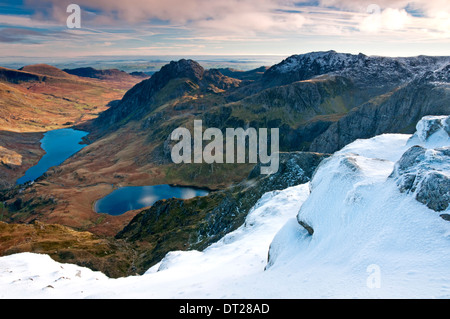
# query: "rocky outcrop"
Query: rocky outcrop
{"points": [[422, 171]]}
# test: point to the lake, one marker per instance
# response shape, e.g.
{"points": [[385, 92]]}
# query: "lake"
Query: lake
{"points": [[59, 145], [135, 197]]}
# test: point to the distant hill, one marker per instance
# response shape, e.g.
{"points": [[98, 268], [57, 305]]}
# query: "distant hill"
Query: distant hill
{"points": [[251, 75], [107, 74], [45, 69]]}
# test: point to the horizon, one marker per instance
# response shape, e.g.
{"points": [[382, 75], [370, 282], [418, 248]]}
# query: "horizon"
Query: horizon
{"points": [[154, 62]]}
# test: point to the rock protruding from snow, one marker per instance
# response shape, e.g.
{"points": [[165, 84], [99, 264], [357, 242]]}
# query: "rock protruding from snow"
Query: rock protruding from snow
{"points": [[434, 131], [424, 173], [423, 170]]}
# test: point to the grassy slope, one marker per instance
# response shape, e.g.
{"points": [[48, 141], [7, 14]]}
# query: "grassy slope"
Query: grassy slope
{"points": [[56, 100]]}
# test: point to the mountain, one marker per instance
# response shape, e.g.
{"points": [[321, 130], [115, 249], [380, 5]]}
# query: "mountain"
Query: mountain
{"points": [[371, 72], [302, 95], [395, 112], [38, 97], [319, 101], [357, 229], [178, 79]]}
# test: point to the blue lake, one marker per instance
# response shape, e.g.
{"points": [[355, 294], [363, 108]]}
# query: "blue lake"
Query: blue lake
{"points": [[134, 197], [59, 145]]}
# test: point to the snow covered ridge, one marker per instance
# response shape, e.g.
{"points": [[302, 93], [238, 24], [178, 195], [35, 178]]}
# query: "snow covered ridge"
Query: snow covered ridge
{"points": [[365, 71], [332, 61], [359, 229], [366, 211]]}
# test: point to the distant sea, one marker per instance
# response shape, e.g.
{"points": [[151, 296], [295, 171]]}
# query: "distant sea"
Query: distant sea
{"points": [[147, 64]]}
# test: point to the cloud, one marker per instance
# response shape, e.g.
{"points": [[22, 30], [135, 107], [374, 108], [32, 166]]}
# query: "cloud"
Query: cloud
{"points": [[14, 35], [388, 19], [249, 17], [235, 25]]}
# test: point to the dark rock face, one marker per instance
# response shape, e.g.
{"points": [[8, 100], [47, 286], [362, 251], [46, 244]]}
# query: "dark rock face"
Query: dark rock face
{"points": [[434, 191], [198, 222], [308, 228], [395, 113]]}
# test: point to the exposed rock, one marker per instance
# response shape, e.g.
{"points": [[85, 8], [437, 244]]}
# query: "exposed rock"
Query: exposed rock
{"points": [[424, 173], [434, 191], [397, 112], [308, 228]]}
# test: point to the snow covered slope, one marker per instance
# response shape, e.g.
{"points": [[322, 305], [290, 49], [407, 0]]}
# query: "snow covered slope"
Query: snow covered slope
{"points": [[354, 231]]}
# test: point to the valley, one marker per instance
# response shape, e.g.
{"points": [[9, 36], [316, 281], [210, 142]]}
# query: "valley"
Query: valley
{"points": [[319, 101]]}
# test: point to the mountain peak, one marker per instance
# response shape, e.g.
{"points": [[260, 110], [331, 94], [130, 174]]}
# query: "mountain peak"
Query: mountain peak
{"points": [[138, 100], [184, 68]]}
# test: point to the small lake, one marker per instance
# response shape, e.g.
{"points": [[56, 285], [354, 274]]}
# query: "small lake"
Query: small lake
{"points": [[59, 145], [135, 197]]}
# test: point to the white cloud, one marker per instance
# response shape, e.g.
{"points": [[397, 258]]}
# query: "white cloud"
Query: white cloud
{"points": [[388, 19]]}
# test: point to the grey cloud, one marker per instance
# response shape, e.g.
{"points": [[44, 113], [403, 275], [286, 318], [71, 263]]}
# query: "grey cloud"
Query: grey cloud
{"points": [[14, 35]]}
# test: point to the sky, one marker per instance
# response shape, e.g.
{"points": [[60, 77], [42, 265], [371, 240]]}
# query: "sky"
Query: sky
{"points": [[33, 29]]}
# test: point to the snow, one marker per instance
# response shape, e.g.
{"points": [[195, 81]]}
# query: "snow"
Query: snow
{"points": [[439, 126], [369, 241], [346, 64]]}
